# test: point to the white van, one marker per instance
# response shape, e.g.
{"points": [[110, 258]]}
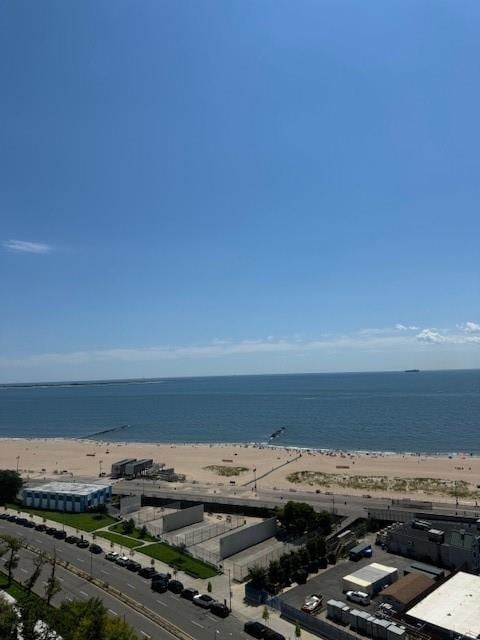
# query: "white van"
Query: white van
{"points": [[358, 596]]}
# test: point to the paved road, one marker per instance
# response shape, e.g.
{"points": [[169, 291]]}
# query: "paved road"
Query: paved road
{"points": [[346, 505], [74, 588], [197, 622]]}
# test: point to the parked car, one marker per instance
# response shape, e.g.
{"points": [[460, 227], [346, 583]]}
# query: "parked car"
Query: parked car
{"points": [[255, 629], [203, 600], [4, 516], [358, 596], [132, 565], [312, 603], [72, 539], [175, 586], [95, 548], [60, 535], [40, 527], [122, 561], [161, 577], [189, 593], [147, 572], [29, 524], [111, 555], [51, 531], [12, 518], [219, 609], [83, 544], [22, 521], [159, 585], [270, 634]]}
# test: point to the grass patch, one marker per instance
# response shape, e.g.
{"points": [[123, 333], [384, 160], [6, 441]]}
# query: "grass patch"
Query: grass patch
{"points": [[83, 521], [221, 470], [16, 590], [183, 562], [429, 486], [118, 528], [123, 541]]}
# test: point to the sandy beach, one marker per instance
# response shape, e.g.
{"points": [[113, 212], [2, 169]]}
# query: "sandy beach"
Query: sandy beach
{"points": [[81, 459]]}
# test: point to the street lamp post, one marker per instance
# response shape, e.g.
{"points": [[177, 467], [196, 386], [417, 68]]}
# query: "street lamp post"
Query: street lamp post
{"points": [[18, 461], [229, 591]]}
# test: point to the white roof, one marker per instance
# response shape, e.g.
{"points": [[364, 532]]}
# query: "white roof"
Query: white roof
{"points": [[77, 488], [454, 606], [370, 574]]}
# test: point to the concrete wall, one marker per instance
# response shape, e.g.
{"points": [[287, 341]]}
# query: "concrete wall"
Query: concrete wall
{"points": [[182, 518], [128, 504], [247, 537]]}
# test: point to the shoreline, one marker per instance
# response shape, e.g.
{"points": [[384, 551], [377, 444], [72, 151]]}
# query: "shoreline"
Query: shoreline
{"points": [[273, 466], [248, 444]]}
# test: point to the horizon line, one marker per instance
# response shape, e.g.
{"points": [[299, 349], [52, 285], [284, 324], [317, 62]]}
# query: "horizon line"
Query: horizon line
{"points": [[107, 381]]}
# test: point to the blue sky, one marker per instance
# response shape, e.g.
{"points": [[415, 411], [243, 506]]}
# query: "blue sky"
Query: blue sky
{"points": [[196, 188]]}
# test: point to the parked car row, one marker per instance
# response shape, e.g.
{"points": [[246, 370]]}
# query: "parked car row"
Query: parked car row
{"points": [[160, 582], [59, 534]]}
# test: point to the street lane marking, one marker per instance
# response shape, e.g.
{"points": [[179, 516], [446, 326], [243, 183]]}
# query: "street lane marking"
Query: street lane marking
{"points": [[211, 617], [61, 579], [23, 570], [84, 594], [80, 560], [131, 586], [197, 624], [162, 603], [144, 634], [105, 572], [114, 612], [70, 599]]}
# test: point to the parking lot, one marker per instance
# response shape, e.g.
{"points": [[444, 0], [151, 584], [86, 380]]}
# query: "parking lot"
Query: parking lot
{"points": [[329, 582]]}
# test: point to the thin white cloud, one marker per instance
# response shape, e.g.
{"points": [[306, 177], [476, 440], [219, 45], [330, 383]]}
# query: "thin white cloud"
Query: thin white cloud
{"points": [[471, 327], [371, 341], [403, 327], [23, 246], [431, 336]]}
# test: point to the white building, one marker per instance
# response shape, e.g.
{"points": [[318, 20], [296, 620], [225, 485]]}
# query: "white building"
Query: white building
{"points": [[66, 496], [452, 610], [370, 579]]}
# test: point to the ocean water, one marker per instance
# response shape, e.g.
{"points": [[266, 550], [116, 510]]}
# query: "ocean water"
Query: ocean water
{"points": [[436, 411]]}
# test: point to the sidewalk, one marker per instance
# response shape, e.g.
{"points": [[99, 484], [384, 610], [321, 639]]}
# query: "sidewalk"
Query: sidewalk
{"points": [[220, 583]]}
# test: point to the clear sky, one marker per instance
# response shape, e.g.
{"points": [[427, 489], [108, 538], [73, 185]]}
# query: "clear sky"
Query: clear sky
{"points": [[196, 188]]}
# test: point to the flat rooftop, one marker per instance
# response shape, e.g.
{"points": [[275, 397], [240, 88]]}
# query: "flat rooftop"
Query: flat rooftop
{"points": [[454, 606], [371, 573], [77, 488]]}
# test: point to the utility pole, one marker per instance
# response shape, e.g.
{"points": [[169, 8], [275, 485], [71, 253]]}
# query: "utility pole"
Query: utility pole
{"points": [[18, 460], [229, 590]]}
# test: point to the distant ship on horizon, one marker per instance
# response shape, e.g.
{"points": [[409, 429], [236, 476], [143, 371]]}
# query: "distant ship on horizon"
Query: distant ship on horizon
{"points": [[412, 371]]}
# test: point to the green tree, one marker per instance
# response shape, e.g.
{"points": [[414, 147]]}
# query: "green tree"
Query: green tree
{"points": [[115, 629], [10, 485], [274, 572], [143, 532], [298, 517], [257, 576], [128, 526], [53, 585], [8, 621], [324, 522], [81, 620], [10, 546], [32, 610], [38, 564], [265, 614]]}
